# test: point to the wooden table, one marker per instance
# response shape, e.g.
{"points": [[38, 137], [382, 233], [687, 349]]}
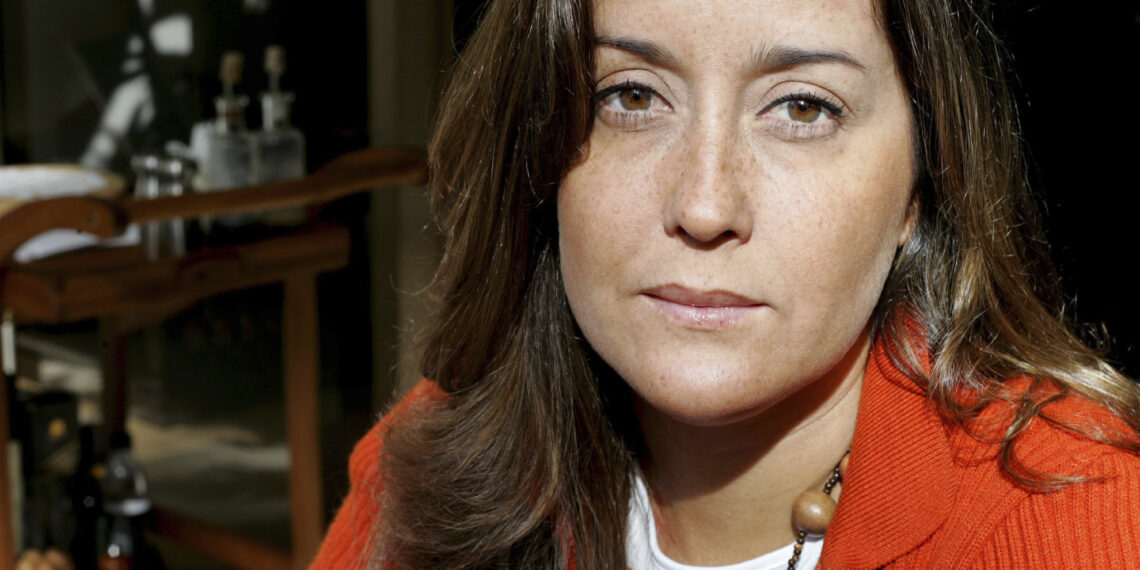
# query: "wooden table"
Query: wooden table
{"points": [[125, 291]]}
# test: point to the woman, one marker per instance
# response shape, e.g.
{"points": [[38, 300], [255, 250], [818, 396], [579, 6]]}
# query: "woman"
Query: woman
{"points": [[696, 252]]}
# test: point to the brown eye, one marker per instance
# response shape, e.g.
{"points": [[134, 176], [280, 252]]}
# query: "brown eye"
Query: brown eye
{"points": [[804, 111], [634, 99]]}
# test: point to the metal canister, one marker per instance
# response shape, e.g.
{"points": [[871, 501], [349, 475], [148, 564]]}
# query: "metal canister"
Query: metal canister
{"points": [[148, 185], [176, 175], [156, 177]]}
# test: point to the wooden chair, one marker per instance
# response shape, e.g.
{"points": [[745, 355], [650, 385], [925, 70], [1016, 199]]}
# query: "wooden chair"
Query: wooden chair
{"points": [[125, 291]]}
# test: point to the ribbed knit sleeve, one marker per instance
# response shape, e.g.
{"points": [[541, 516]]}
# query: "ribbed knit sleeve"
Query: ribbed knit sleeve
{"points": [[349, 538], [924, 494], [1092, 525], [348, 543]]}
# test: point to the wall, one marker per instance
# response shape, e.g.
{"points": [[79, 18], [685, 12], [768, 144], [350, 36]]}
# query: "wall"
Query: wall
{"points": [[409, 45]]}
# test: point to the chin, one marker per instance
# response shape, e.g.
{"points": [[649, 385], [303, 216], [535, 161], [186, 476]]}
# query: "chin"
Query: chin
{"points": [[716, 387], [712, 398]]}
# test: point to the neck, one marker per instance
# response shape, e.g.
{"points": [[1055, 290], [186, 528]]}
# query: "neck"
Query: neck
{"points": [[723, 494]]}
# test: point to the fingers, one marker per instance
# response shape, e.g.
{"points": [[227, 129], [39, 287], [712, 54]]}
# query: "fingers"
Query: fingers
{"points": [[50, 559]]}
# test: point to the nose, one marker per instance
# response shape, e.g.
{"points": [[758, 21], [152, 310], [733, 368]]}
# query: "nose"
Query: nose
{"points": [[708, 202]]}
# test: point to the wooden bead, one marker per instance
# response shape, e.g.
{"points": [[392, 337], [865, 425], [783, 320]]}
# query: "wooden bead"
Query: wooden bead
{"points": [[843, 466], [812, 512]]}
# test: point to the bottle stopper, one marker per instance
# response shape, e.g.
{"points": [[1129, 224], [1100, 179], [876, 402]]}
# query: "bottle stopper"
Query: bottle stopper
{"points": [[230, 72], [275, 60]]}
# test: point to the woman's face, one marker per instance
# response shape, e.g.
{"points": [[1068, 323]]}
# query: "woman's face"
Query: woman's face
{"points": [[744, 190]]}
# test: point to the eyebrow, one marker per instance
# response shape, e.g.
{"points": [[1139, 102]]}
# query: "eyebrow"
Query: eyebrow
{"points": [[776, 58], [647, 50], [786, 57]]}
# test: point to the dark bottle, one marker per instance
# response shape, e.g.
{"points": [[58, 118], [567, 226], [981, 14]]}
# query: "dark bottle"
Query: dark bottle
{"points": [[119, 544], [125, 489], [126, 507], [86, 502]]}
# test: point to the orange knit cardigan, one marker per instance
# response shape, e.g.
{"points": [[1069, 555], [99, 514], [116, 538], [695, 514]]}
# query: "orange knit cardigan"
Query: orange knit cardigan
{"points": [[918, 494]]}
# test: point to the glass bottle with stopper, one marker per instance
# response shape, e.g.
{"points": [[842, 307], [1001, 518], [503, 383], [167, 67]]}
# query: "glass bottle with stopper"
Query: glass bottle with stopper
{"points": [[230, 159], [281, 147]]}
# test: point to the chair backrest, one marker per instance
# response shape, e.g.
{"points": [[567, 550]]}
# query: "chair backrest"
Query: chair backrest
{"points": [[106, 218]]}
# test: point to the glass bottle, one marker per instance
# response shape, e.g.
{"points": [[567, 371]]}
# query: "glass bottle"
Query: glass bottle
{"points": [[281, 147], [230, 157]]}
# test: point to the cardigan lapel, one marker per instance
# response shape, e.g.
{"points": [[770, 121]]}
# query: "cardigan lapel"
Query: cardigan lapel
{"points": [[900, 481]]}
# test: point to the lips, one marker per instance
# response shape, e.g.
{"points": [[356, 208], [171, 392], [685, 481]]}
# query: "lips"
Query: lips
{"points": [[701, 310]]}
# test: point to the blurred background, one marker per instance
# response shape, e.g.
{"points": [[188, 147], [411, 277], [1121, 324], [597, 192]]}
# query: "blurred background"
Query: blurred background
{"points": [[1067, 61], [101, 81]]}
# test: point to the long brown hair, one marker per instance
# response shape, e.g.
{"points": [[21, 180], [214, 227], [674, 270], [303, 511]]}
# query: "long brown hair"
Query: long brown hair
{"points": [[521, 457], [531, 454], [976, 274]]}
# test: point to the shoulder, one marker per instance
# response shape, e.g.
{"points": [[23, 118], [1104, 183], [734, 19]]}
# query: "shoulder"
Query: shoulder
{"points": [[364, 464], [348, 540], [922, 491], [1065, 438], [1094, 524], [1091, 523]]}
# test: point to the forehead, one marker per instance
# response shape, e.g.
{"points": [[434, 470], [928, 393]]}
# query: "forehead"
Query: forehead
{"points": [[734, 33]]}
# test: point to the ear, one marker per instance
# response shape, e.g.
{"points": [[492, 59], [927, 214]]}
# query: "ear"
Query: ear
{"points": [[910, 221]]}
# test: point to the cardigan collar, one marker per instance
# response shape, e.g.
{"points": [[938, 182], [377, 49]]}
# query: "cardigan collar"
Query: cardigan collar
{"points": [[898, 488]]}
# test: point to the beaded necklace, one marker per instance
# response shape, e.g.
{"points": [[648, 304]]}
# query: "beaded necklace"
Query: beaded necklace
{"points": [[813, 510]]}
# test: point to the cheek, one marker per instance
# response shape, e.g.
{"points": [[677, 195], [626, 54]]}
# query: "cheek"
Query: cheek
{"points": [[606, 248], [577, 226], [583, 228], [602, 218], [837, 237]]}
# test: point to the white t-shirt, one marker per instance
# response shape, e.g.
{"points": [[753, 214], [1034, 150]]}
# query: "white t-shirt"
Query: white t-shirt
{"points": [[643, 553]]}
